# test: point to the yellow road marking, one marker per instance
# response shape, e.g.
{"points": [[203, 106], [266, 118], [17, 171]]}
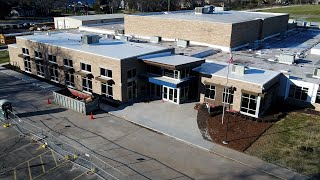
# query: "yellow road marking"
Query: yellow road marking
{"points": [[54, 158], [14, 174], [29, 170], [61, 165], [42, 164], [79, 176], [31, 159]]}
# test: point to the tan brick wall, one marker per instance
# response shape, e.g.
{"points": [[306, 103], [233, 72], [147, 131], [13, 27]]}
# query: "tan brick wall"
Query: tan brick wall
{"points": [[94, 60], [211, 33], [221, 82], [275, 25], [245, 32], [13, 55]]}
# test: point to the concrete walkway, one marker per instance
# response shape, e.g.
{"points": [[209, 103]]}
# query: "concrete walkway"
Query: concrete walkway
{"points": [[180, 122]]}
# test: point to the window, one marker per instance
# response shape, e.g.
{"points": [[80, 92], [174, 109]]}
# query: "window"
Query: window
{"points": [[171, 73], [318, 97], [210, 92], [248, 104], [85, 67], [184, 93], [38, 54], [68, 62], [87, 84], [27, 64], [297, 92], [52, 58], [40, 68], [154, 70], [106, 90], [132, 90], [132, 73], [25, 51], [105, 72], [185, 73], [70, 78], [54, 75], [227, 95]]}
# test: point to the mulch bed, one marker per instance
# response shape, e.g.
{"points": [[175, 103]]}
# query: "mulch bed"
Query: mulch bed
{"points": [[241, 132]]}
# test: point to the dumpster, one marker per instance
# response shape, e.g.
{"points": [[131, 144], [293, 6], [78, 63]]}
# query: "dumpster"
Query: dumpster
{"points": [[5, 108], [76, 100]]}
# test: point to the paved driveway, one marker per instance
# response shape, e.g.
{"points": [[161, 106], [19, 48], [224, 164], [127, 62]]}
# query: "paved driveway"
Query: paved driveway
{"points": [[133, 150]]}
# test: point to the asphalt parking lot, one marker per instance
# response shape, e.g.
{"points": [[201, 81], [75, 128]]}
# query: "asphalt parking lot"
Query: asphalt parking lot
{"points": [[22, 158]]}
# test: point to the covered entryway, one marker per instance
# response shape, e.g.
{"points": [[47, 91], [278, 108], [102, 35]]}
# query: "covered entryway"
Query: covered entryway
{"points": [[170, 94]]}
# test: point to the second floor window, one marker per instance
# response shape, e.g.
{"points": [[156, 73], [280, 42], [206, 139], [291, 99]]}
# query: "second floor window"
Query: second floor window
{"points": [[86, 67], [69, 78], [132, 73], [52, 58], [227, 95], [106, 72], [38, 54], [25, 51], [68, 62], [54, 74], [171, 73]]}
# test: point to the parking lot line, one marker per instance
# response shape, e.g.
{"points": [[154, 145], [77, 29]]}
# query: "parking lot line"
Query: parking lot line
{"points": [[42, 164], [61, 165], [79, 176], [54, 158], [14, 174], [32, 158], [30, 176]]}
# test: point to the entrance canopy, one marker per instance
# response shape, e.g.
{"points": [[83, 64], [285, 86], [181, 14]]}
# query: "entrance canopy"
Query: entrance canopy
{"points": [[169, 82]]}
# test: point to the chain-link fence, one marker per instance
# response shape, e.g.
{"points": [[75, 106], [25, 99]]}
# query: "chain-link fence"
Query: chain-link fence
{"points": [[85, 158]]}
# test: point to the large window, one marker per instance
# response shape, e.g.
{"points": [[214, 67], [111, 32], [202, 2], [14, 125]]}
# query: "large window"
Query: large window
{"points": [[248, 104], [105, 72], [227, 95], [85, 67], [132, 90], [106, 89], [318, 97], [54, 75], [40, 68], [68, 62], [171, 73], [52, 58], [185, 73], [70, 78], [38, 54], [87, 84], [297, 92], [27, 64], [210, 92], [184, 93], [154, 70], [132, 73], [25, 51]]}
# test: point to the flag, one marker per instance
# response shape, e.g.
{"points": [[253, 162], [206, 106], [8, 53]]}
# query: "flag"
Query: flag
{"points": [[231, 61]]}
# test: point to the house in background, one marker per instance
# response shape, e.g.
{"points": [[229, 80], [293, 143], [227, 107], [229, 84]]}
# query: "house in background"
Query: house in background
{"points": [[23, 12]]}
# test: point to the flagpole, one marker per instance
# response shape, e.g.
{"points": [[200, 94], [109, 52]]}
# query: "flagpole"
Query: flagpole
{"points": [[225, 96]]}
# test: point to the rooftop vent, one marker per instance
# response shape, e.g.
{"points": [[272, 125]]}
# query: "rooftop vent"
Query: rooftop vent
{"points": [[239, 69], [90, 39], [120, 31], [316, 73], [202, 10], [124, 38], [155, 39], [286, 58], [183, 43]]}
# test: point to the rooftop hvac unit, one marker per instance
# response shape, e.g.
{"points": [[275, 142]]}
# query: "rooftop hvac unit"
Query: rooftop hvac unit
{"points": [[286, 58], [124, 38], [239, 69], [202, 10], [155, 39], [110, 36], [211, 8], [183, 43], [316, 73], [90, 39], [120, 31]]}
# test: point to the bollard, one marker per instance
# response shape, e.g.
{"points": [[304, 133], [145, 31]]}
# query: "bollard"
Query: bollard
{"points": [[91, 116], [49, 101]]}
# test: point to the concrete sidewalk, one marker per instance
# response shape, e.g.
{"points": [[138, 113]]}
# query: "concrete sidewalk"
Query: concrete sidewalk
{"points": [[180, 122]]}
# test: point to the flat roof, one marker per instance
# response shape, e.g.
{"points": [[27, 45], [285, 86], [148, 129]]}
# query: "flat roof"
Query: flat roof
{"points": [[173, 60], [114, 49], [297, 41], [221, 17], [252, 75], [317, 47], [95, 17]]}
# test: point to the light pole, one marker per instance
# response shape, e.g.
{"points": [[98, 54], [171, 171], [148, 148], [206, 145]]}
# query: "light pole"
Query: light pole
{"points": [[168, 5]]}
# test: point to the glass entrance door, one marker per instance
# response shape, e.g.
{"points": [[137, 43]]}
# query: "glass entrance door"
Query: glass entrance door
{"points": [[170, 94]]}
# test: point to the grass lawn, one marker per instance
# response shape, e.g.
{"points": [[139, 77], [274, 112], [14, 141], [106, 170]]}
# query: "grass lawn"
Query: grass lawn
{"points": [[4, 57], [293, 142], [307, 12]]}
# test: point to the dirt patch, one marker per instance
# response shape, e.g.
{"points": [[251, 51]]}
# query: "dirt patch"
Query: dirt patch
{"points": [[239, 131]]}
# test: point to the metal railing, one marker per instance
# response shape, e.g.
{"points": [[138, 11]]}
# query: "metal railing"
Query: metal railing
{"points": [[84, 157]]}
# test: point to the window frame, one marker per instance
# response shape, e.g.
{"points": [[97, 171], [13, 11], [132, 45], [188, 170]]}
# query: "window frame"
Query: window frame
{"points": [[40, 69], [248, 109], [54, 74], [88, 81], [132, 73], [27, 61], [86, 69], [107, 72], [228, 94], [108, 93], [37, 55], [298, 89], [209, 87], [25, 50], [68, 62], [69, 79], [53, 58]]}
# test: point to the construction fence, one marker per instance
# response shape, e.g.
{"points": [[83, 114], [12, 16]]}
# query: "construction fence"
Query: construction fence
{"points": [[82, 157]]}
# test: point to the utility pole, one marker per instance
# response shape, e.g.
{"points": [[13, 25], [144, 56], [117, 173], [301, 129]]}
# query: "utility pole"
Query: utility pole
{"points": [[168, 5]]}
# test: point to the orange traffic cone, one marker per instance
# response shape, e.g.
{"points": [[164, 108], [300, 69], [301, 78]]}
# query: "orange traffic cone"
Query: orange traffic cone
{"points": [[91, 116], [49, 101]]}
